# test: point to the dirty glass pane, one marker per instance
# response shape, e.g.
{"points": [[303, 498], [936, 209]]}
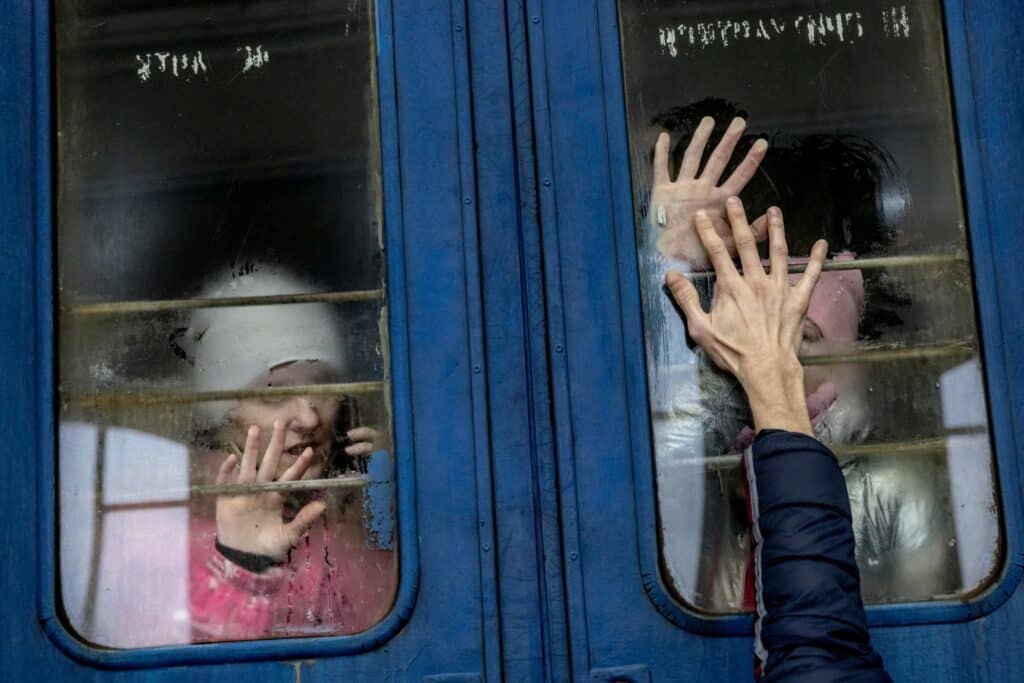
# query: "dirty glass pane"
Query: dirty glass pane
{"points": [[853, 99], [220, 265]]}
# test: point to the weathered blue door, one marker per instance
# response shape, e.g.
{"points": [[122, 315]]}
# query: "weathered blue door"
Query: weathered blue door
{"points": [[465, 188], [175, 174], [871, 105]]}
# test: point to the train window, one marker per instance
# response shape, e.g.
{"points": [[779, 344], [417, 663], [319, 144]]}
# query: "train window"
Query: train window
{"points": [[220, 266], [854, 104]]}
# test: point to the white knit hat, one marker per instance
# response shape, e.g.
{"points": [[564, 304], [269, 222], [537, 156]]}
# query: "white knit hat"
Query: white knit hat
{"points": [[236, 346]]}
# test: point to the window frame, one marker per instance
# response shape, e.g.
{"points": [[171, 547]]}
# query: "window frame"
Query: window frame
{"points": [[992, 342], [46, 433]]}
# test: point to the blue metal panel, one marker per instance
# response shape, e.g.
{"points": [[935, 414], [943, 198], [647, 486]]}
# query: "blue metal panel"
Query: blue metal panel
{"points": [[440, 403], [530, 148], [502, 138], [480, 433], [409, 562], [621, 674], [19, 103], [985, 58], [545, 108], [602, 426], [523, 558], [992, 333]]}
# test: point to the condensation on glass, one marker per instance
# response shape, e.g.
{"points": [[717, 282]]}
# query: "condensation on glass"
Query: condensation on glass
{"points": [[220, 265], [854, 101]]}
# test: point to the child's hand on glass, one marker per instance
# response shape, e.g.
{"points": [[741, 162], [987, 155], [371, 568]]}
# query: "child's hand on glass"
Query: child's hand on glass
{"points": [[253, 522], [674, 203]]}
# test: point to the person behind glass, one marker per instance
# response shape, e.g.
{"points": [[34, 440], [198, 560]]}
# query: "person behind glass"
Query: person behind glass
{"points": [[810, 623], [849, 190], [272, 564]]}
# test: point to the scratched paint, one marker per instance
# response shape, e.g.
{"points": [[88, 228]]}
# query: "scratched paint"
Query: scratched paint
{"points": [[896, 22], [817, 29], [255, 57], [175, 65], [848, 70], [190, 64]]}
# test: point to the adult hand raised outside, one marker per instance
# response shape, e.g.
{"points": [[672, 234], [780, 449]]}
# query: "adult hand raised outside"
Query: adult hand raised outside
{"points": [[754, 327]]}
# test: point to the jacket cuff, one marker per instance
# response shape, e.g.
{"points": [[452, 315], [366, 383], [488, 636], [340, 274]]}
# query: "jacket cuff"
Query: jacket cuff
{"points": [[262, 583], [249, 561], [797, 469]]}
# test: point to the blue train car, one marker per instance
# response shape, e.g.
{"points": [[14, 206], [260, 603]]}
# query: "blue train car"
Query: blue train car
{"points": [[419, 247]]}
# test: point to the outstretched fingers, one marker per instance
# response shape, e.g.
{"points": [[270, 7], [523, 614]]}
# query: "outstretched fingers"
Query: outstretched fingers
{"points": [[743, 174], [695, 150], [247, 472], [362, 434], [743, 238], [299, 467], [226, 467], [304, 519], [719, 158], [686, 296], [360, 448], [364, 441], [272, 456], [718, 253], [760, 227], [778, 250], [805, 287], [661, 160]]}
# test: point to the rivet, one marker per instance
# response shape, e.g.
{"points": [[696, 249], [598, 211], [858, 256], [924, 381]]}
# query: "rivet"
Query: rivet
{"points": [[467, 200], [573, 555], [547, 182], [458, 27], [535, 19], [476, 369], [487, 547], [558, 348]]}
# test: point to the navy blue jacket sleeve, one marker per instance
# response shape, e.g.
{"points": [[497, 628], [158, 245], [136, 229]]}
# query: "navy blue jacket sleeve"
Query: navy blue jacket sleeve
{"points": [[810, 623]]}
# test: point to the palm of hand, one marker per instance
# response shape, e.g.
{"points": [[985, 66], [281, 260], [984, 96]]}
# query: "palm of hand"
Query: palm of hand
{"points": [[673, 204], [253, 522], [257, 518], [752, 320], [753, 327]]}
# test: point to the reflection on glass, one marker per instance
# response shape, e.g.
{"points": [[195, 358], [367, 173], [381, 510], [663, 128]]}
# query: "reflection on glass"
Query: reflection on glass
{"points": [[220, 267], [854, 105]]}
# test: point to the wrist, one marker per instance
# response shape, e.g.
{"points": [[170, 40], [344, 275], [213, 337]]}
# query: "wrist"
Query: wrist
{"points": [[253, 562], [775, 392], [248, 542]]}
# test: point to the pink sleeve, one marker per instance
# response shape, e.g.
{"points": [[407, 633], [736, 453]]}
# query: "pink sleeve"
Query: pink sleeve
{"points": [[228, 602]]}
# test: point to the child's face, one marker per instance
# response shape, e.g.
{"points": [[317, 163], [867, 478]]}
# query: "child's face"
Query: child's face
{"points": [[309, 420], [831, 327]]}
